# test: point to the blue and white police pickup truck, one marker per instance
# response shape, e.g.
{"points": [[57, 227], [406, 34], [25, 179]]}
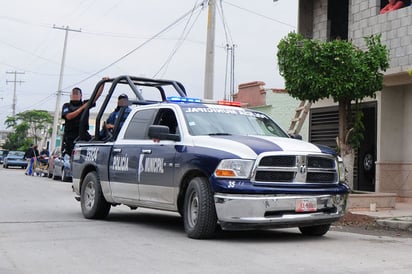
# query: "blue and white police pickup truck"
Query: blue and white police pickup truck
{"points": [[215, 164]]}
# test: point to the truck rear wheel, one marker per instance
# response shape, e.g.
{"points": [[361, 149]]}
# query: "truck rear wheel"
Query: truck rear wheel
{"points": [[199, 214], [92, 201], [316, 230]]}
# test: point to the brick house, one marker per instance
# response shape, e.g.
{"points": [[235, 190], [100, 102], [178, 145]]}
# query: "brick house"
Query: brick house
{"points": [[388, 117]]}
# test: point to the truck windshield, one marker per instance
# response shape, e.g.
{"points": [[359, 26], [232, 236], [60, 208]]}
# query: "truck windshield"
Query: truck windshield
{"points": [[215, 120]]}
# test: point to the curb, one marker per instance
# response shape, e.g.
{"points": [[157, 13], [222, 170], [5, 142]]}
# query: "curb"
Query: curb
{"points": [[401, 223]]}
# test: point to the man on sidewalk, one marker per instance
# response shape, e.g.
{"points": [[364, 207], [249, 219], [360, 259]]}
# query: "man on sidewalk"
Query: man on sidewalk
{"points": [[31, 155]]}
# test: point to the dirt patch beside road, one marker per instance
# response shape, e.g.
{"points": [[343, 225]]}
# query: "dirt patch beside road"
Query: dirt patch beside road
{"points": [[363, 224]]}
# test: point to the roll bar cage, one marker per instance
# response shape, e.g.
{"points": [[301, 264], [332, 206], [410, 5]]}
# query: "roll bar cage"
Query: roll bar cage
{"points": [[134, 83]]}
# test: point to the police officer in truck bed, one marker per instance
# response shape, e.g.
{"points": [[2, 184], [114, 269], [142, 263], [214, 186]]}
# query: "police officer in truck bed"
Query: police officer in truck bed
{"points": [[71, 113]]}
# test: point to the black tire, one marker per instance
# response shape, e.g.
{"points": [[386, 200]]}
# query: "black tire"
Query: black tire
{"points": [[200, 220], [369, 166], [368, 162], [316, 230], [92, 201]]}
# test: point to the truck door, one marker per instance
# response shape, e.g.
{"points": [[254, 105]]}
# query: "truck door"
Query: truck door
{"points": [[157, 164], [122, 171], [125, 156]]}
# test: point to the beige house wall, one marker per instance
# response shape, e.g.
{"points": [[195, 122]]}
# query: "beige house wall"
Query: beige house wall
{"points": [[390, 129], [394, 178], [394, 162], [407, 129], [396, 125]]}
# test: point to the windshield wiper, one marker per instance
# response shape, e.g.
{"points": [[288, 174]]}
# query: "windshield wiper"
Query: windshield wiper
{"points": [[219, 133]]}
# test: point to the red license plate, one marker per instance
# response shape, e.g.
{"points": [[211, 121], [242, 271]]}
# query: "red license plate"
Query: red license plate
{"points": [[306, 205]]}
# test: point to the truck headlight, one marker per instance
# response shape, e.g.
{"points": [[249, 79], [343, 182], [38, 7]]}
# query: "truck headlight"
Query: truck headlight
{"points": [[234, 168]]}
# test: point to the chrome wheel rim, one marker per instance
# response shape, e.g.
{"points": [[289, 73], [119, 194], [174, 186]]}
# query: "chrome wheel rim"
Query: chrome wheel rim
{"points": [[368, 162], [89, 195], [193, 210]]}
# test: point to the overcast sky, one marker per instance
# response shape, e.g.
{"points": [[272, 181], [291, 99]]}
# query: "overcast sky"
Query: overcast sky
{"points": [[133, 37]]}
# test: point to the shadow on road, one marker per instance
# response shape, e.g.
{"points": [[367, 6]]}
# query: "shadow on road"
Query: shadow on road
{"points": [[167, 222]]}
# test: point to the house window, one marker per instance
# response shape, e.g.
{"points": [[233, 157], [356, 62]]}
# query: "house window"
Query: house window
{"points": [[338, 19]]}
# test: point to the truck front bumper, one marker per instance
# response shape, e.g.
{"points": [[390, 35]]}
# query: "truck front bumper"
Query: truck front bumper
{"points": [[237, 212]]}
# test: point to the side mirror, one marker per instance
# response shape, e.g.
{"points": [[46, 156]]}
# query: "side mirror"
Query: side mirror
{"points": [[162, 133], [296, 136]]}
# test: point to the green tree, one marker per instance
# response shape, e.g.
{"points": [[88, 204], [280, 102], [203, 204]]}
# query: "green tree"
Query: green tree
{"points": [[17, 140], [28, 127], [315, 70]]}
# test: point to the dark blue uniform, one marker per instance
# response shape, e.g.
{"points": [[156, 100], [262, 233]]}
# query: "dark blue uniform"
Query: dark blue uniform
{"points": [[71, 127], [113, 116]]}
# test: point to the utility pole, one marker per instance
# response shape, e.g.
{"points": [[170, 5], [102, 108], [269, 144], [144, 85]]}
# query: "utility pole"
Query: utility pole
{"points": [[14, 93], [232, 72], [210, 51], [230, 61], [59, 90]]}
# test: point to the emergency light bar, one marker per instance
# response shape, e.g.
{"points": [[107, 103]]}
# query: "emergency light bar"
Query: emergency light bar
{"points": [[229, 103], [177, 99]]}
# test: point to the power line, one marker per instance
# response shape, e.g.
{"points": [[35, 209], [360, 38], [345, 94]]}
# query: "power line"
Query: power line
{"points": [[156, 36], [41, 101], [35, 55], [28, 52], [24, 22], [180, 41], [260, 15], [140, 46], [230, 57], [226, 29]]}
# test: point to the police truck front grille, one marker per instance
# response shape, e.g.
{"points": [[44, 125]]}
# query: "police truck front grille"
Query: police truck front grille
{"points": [[316, 177], [318, 162], [281, 161], [310, 169], [271, 176]]}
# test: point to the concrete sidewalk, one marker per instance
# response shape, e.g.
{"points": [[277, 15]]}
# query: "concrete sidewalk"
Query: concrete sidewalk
{"points": [[399, 217]]}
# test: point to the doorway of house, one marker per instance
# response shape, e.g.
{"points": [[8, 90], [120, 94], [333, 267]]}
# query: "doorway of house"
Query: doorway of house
{"points": [[366, 154], [323, 129]]}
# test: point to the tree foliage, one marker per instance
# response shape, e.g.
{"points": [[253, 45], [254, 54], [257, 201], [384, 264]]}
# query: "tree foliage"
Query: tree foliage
{"points": [[17, 140], [28, 127], [315, 70]]}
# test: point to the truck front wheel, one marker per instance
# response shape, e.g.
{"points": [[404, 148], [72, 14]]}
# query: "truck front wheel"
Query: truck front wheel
{"points": [[316, 230], [199, 214], [92, 201]]}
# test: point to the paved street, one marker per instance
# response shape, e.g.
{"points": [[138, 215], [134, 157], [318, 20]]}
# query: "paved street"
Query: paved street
{"points": [[42, 230]]}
